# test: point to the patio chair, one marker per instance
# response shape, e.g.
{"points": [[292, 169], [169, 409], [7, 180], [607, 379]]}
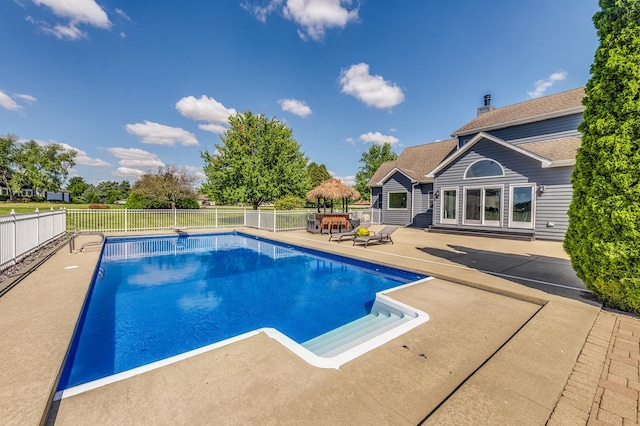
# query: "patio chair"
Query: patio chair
{"points": [[339, 236], [383, 236]]}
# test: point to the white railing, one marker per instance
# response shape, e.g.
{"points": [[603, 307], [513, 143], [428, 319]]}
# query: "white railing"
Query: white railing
{"points": [[125, 220], [23, 233]]}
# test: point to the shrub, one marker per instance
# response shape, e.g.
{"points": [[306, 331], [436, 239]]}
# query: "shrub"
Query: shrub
{"points": [[362, 232], [4, 197], [98, 206], [289, 202], [187, 204]]}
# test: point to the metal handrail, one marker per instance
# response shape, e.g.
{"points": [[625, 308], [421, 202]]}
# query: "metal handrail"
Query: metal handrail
{"points": [[72, 245]]}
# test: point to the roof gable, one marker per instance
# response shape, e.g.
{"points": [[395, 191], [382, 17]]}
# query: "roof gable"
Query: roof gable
{"points": [[544, 108], [550, 153], [415, 162]]}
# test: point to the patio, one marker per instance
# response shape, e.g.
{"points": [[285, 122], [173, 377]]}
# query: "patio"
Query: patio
{"points": [[450, 370]]}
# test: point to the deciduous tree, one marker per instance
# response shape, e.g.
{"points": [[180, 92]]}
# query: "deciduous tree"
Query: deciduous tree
{"points": [[258, 161], [318, 173], [371, 161], [603, 238], [170, 187]]}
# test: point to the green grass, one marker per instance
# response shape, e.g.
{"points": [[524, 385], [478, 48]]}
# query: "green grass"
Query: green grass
{"points": [[19, 207]]}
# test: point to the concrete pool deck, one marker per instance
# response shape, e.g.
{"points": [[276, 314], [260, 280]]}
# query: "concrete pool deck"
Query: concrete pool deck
{"points": [[518, 343]]}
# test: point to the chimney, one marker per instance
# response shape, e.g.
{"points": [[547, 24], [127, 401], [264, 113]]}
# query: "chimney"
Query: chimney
{"points": [[487, 105]]}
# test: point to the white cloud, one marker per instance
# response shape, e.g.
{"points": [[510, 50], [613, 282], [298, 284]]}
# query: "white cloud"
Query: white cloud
{"points": [[314, 16], [136, 158], [27, 98], [126, 172], [159, 134], [295, 106], [76, 12], [347, 180], [196, 172], [121, 13], [204, 109], [373, 90], [7, 102], [541, 86], [213, 128], [83, 159], [261, 12], [378, 138], [350, 140]]}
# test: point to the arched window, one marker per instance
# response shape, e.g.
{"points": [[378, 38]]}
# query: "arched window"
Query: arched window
{"points": [[484, 168]]}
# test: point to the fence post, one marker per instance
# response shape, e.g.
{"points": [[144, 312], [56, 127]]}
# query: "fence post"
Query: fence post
{"points": [[125, 220], [259, 215], [175, 217], [244, 217], [37, 227], [274, 220], [15, 235], [216, 223]]}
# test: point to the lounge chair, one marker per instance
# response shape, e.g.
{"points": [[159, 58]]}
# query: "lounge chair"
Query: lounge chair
{"points": [[383, 236], [339, 236]]}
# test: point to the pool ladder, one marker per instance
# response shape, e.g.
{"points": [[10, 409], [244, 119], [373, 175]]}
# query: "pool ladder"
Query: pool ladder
{"points": [[72, 241]]}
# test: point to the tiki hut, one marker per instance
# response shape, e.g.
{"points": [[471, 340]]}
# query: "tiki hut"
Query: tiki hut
{"points": [[332, 189]]}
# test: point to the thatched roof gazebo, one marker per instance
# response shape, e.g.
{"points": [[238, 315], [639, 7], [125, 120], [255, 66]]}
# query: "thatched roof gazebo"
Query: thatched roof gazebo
{"points": [[332, 189]]}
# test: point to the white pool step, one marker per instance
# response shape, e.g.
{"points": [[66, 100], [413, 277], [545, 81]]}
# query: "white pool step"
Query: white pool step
{"points": [[354, 333]]}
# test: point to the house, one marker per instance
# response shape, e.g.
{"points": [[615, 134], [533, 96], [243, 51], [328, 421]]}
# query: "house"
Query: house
{"points": [[509, 172], [62, 195], [402, 190]]}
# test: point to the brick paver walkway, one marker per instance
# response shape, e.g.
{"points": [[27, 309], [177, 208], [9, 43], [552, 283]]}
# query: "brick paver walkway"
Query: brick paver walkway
{"points": [[603, 388]]}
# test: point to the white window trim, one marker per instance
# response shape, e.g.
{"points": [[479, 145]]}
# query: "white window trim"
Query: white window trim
{"points": [[482, 221], [397, 192], [523, 225], [453, 221], [464, 176]]}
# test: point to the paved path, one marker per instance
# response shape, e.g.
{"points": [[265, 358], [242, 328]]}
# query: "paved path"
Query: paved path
{"points": [[603, 388]]}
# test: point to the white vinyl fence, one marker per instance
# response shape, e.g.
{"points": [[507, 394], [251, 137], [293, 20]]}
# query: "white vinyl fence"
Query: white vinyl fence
{"points": [[20, 234], [23, 233], [126, 220]]}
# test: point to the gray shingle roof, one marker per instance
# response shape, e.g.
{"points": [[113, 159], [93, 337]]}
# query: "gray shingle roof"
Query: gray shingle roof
{"points": [[554, 149], [526, 112], [416, 161]]}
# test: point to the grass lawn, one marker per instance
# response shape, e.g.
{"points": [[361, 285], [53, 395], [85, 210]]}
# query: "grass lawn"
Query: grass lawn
{"points": [[7, 206]]}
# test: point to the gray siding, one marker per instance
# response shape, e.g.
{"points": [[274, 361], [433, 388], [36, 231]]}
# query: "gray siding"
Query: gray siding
{"points": [[398, 182], [551, 212], [518, 169], [376, 195], [423, 213], [544, 127]]}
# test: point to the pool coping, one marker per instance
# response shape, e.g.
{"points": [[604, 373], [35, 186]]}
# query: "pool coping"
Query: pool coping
{"points": [[22, 409]]}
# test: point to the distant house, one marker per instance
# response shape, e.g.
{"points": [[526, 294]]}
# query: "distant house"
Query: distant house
{"points": [[62, 195], [509, 170]]}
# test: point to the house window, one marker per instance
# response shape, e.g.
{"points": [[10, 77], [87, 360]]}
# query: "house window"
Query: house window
{"points": [[483, 206], [483, 169], [522, 206], [429, 200], [27, 192], [449, 203], [4, 191], [397, 200]]}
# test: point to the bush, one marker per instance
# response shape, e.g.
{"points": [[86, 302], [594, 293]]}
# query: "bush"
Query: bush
{"points": [[138, 201], [187, 204], [98, 206], [290, 202], [4, 197], [362, 232]]}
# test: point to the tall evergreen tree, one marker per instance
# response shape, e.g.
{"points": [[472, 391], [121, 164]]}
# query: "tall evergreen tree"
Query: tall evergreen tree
{"points": [[371, 161], [603, 238]]}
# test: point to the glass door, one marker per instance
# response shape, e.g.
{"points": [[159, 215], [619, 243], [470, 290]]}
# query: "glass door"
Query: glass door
{"points": [[522, 208]]}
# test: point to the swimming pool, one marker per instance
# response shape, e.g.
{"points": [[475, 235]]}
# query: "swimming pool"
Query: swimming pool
{"points": [[154, 298]]}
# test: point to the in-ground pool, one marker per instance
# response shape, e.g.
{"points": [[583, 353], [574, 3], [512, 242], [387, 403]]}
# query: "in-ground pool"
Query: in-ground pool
{"points": [[156, 297]]}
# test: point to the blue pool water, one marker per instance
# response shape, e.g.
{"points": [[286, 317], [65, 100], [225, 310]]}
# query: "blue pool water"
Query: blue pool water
{"points": [[156, 297]]}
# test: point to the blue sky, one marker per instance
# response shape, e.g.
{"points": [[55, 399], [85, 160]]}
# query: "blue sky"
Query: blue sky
{"points": [[134, 85]]}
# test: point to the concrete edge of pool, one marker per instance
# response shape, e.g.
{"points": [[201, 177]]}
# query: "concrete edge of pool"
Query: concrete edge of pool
{"points": [[44, 307], [373, 339]]}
